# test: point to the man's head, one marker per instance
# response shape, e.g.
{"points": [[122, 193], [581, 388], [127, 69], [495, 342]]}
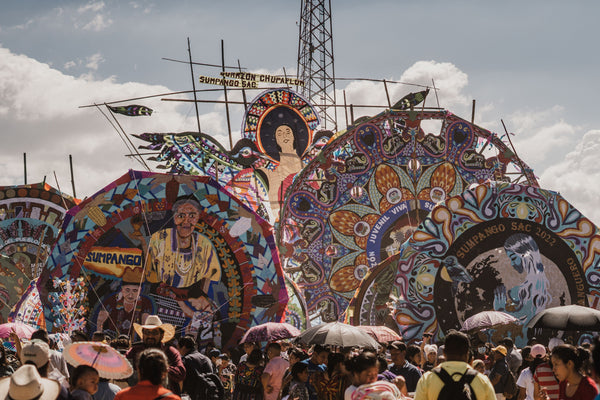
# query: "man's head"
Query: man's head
{"points": [[249, 346], [499, 352], [186, 344], [319, 354], [186, 214], [398, 352], [36, 352], [456, 346], [273, 350], [78, 336], [154, 331], [508, 343], [98, 336], [42, 335]]}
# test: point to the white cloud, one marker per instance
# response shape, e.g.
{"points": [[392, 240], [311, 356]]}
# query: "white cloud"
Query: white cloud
{"points": [[93, 6], [70, 64], [576, 176], [94, 61], [40, 115], [98, 23]]}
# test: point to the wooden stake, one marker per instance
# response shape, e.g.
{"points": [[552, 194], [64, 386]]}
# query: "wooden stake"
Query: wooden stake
{"points": [[225, 90], [25, 167], [72, 176], [194, 86]]}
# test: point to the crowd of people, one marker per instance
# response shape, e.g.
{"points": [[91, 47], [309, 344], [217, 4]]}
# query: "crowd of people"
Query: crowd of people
{"points": [[169, 368]]}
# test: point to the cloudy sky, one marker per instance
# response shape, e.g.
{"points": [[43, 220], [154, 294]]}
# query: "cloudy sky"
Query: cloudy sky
{"points": [[532, 64]]}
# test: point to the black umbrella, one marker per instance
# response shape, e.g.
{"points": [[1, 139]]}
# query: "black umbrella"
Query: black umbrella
{"points": [[337, 334], [567, 318]]}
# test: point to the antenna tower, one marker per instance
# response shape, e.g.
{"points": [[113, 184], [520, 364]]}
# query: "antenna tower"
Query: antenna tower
{"points": [[315, 59]]}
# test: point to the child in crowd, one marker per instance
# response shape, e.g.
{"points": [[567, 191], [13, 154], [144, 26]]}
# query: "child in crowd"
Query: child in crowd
{"points": [[84, 382]]}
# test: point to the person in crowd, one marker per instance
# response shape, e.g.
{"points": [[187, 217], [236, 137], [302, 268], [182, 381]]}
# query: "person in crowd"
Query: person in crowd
{"points": [[525, 380], [499, 372], [106, 389], [5, 368], [295, 355], [247, 381], [363, 369], [58, 364], [27, 384], [84, 383], [402, 367], [272, 377], [595, 365], [214, 356], [479, 366], [543, 377], [156, 334], [316, 363], [196, 364], [568, 364], [456, 351], [152, 369], [226, 372], [513, 357], [37, 352], [431, 357], [414, 356], [384, 373], [249, 347], [299, 386], [331, 384]]}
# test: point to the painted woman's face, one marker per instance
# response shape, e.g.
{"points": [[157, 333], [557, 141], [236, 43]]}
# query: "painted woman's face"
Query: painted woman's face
{"points": [[284, 135], [515, 260]]}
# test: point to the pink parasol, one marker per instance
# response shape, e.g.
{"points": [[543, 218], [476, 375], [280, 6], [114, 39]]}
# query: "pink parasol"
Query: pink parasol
{"points": [[487, 320], [108, 361], [22, 330], [382, 334], [270, 332]]}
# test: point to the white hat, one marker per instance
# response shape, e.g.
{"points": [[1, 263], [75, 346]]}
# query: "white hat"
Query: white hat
{"points": [[27, 384], [153, 322], [430, 348], [36, 351]]}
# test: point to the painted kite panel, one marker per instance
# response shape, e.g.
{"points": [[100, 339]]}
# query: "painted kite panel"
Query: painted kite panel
{"points": [[497, 246], [174, 245], [368, 189], [30, 218]]}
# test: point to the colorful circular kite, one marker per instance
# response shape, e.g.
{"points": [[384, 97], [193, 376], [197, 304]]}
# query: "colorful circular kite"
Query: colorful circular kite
{"points": [[369, 188], [274, 108], [499, 246], [173, 245], [30, 218]]}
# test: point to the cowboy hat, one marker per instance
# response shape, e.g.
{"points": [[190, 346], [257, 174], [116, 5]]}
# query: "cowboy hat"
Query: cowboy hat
{"points": [[153, 322], [27, 384]]}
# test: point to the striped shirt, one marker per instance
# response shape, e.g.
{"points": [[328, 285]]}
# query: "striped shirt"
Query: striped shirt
{"points": [[545, 378]]}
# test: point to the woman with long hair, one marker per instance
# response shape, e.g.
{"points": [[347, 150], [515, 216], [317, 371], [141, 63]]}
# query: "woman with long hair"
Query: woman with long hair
{"points": [[568, 364], [152, 367], [331, 384], [247, 381]]}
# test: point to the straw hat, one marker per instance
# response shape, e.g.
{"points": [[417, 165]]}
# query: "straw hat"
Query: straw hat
{"points": [[153, 322], [27, 384]]}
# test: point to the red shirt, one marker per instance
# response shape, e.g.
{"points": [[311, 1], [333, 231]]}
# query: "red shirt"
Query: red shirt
{"points": [[145, 391], [586, 390]]}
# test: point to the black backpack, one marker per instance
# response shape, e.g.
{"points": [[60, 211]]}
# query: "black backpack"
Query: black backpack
{"points": [[456, 390]]}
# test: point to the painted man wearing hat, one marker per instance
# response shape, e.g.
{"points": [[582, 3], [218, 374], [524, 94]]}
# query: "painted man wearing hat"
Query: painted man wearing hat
{"points": [[156, 334], [120, 310]]}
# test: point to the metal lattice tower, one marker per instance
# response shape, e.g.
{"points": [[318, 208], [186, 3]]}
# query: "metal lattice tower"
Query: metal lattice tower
{"points": [[315, 59]]}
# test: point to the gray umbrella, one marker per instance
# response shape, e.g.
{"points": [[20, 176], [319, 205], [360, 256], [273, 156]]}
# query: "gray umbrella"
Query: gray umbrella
{"points": [[567, 318], [337, 334]]}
